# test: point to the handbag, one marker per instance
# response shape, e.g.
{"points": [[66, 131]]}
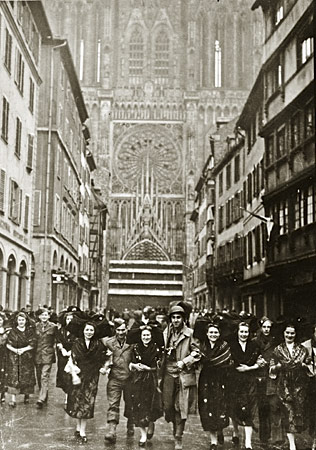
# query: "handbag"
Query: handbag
{"points": [[73, 370]]}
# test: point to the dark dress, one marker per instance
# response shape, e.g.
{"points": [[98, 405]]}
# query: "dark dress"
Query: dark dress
{"points": [[3, 359], [270, 425], [242, 385], [81, 397], [145, 397], [66, 339], [20, 376], [292, 382], [212, 389]]}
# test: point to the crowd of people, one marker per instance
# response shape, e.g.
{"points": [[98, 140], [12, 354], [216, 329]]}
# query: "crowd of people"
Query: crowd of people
{"points": [[231, 368]]}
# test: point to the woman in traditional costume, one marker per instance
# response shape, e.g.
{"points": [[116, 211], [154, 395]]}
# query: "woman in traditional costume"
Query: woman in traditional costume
{"points": [[20, 374], [243, 394], [145, 396], [289, 366], [212, 388], [88, 354]]}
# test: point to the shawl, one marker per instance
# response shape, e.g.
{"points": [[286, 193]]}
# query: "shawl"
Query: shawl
{"points": [[21, 339], [147, 355], [218, 356], [249, 357], [282, 355], [66, 340], [88, 359]]}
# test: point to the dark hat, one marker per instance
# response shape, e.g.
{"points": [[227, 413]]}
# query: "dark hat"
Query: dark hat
{"points": [[176, 309], [118, 322], [76, 327]]}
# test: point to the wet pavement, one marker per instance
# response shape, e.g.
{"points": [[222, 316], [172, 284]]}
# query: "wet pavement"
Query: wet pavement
{"points": [[25, 427]]}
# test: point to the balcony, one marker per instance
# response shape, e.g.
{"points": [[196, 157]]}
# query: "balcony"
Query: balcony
{"points": [[290, 248], [229, 271]]}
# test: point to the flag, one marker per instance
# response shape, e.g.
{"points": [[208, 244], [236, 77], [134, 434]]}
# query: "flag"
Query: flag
{"points": [[268, 220]]}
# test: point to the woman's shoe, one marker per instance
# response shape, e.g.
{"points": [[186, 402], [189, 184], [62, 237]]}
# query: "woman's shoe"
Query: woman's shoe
{"points": [[150, 431], [12, 404], [213, 447], [142, 443], [83, 439], [77, 434]]}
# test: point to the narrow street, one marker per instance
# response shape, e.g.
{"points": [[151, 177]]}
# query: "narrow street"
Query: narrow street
{"points": [[26, 427]]}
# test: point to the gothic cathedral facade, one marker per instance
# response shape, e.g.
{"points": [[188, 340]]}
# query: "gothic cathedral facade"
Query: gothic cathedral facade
{"points": [[157, 75]]}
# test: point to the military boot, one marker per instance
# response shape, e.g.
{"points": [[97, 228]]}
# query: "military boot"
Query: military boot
{"points": [[110, 435]]}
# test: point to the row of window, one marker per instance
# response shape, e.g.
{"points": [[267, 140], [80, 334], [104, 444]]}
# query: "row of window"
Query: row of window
{"points": [[232, 211], [274, 77], [19, 68], [230, 251], [18, 134], [65, 221], [137, 54], [17, 207], [228, 170], [255, 245], [251, 247], [291, 134], [254, 184], [295, 211], [25, 20]]}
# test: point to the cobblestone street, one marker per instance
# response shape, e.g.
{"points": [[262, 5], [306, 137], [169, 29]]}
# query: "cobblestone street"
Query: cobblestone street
{"points": [[51, 428]]}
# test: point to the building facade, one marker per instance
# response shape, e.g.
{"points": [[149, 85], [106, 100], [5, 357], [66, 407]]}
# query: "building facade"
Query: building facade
{"points": [[255, 296], [22, 28], [203, 218], [156, 76], [62, 196], [228, 175], [289, 134]]}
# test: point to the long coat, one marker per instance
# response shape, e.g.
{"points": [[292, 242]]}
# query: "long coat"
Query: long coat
{"points": [[81, 397], [242, 385], [145, 397], [45, 349], [20, 376], [186, 350], [66, 339]]}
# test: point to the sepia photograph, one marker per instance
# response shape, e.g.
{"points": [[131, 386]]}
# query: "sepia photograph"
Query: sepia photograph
{"points": [[157, 225]]}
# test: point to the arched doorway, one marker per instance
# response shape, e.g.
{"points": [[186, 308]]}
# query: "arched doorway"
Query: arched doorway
{"points": [[10, 285], [21, 285]]}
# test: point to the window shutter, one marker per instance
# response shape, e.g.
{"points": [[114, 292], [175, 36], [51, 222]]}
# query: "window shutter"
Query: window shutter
{"points": [[26, 212], [19, 205], [29, 164], [37, 208], [2, 190]]}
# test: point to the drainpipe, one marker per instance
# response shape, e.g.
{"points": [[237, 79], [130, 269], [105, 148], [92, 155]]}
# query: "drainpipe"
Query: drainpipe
{"points": [[49, 145]]}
